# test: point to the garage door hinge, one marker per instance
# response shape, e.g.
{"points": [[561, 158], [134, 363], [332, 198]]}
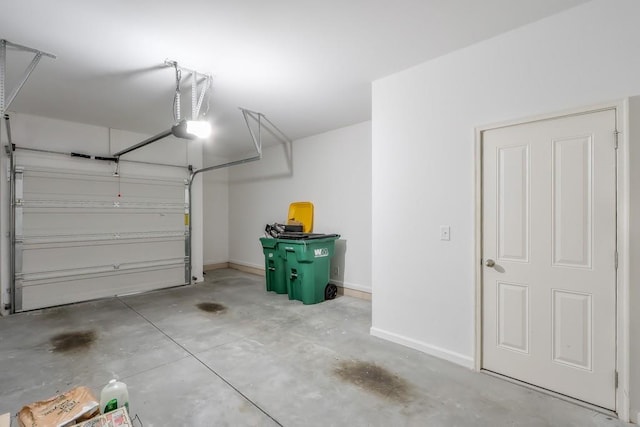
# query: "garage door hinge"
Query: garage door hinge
{"points": [[616, 379], [615, 141]]}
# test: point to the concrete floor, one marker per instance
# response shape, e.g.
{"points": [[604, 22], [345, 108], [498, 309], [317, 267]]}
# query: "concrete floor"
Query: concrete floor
{"points": [[255, 358]]}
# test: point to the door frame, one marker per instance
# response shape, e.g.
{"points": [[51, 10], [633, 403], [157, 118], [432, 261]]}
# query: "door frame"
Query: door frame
{"points": [[621, 109]]}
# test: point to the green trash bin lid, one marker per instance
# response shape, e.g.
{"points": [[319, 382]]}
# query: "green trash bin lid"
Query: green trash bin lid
{"points": [[294, 235]]}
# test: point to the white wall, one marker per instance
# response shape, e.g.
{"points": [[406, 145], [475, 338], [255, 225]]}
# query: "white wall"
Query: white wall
{"points": [[423, 158], [332, 170], [58, 135], [216, 216]]}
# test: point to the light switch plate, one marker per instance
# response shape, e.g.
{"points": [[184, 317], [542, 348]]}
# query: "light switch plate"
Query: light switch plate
{"points": [[445, 232]]}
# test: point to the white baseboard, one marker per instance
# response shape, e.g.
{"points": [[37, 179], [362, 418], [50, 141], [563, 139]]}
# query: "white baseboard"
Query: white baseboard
{"points": [[451, 356], [246, 264], [353, 293], [258, 271], [214, 266], [353, 286]]}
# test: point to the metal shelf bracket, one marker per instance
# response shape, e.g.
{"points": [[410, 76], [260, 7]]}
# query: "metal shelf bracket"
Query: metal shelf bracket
{"points": [[5, 102]]}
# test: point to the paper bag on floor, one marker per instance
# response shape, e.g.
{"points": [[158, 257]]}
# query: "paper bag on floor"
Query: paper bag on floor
{"points": [[65, 409]]}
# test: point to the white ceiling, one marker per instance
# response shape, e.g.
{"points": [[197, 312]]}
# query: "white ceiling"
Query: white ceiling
{"points": [[307, 65]]}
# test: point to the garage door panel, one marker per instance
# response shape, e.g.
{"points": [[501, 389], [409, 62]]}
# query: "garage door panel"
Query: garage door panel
{"points": [[84, 233], [36, 294], [45, 183], [157, 190], [64, 256], [53, 223], [39, 186]]}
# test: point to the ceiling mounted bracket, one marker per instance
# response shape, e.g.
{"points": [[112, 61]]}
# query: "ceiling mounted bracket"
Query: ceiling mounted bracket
{"points": [[197, 79], [266, 124], [5, 101]]}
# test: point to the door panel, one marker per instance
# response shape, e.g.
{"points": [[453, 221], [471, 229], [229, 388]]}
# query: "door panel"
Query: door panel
{"points": [[572, 202], [513, 203], [572, 329], [513, 317], [549, 223]]}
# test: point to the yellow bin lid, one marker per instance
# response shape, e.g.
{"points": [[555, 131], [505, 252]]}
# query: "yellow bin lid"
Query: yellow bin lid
{"points": [[301, 213]]}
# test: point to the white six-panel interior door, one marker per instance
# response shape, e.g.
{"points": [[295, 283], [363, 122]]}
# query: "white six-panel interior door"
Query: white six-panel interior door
{"points": [[549, 254]]}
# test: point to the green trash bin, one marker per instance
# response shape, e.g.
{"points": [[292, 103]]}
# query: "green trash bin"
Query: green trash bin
{"points": [[307, 265], [274, 269]]}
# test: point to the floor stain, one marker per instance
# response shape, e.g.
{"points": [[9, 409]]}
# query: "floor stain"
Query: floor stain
{"points": [[375, 379], [73, 341], [212, 307]]}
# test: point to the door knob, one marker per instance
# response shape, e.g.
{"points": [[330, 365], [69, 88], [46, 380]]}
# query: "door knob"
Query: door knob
{"points": [[490, 263]]}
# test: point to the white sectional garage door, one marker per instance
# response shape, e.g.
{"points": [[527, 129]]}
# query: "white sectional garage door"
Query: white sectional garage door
{"points": [[83, 233]]}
